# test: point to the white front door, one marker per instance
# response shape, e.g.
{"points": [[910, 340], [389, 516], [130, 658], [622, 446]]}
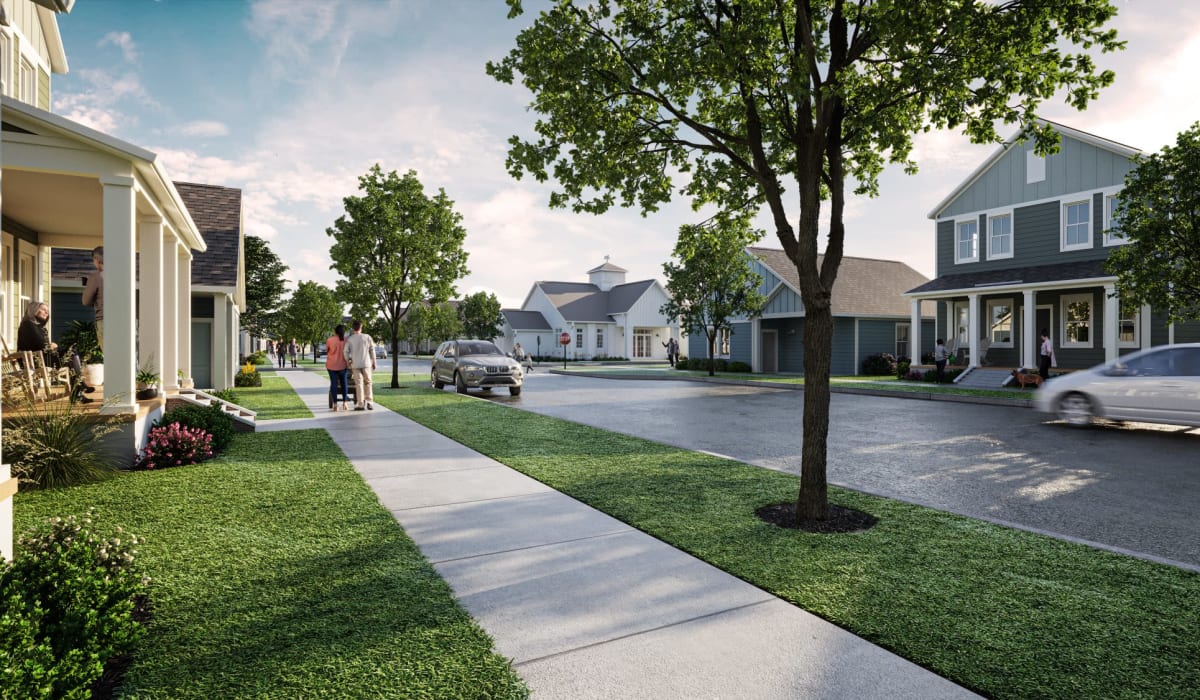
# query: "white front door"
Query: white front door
{"points": [[641, 344]]}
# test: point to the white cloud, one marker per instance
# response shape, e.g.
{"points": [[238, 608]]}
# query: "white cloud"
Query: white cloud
{"points": [[123, 41], [202, 128]]}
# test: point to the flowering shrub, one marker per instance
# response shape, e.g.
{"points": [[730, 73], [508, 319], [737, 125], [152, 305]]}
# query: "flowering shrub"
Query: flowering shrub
{"points": [[69, 598], [881, 363], [174, 445], [247, 376], [212, 419]]}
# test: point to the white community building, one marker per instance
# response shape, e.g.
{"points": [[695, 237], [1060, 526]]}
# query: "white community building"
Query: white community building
{"points": [[604, 318]]}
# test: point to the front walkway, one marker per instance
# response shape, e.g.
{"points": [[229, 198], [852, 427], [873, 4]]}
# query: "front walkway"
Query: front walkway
{"points": [[584, 605]]}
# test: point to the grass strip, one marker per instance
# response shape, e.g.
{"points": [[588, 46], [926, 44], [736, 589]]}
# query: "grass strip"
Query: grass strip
{"points": [[275, 399], [1007, 613], [277, 574]]}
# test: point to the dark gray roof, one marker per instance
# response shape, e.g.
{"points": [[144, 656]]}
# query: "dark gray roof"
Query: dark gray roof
{"points": [[70, 264], [525, 320], [607, 267], [623, 296], [980, 281], [577, 301], [864, 286], [217, 212]]}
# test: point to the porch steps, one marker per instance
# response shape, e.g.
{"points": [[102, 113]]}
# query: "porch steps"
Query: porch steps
{"points": [[244, 420], [984, 378]]}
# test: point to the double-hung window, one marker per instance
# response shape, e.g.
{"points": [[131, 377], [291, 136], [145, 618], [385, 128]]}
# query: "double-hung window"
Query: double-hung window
{"points": [[966, 241], [723, 342], [579, 338], [28, 83], [599, 338], [1077, 225], [1000, 323], [1077, 320], [1000, 237], [1112, 220], [1127, 326], [902, 331]]}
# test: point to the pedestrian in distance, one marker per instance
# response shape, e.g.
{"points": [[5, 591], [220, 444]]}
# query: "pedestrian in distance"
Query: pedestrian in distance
{"points": [[335, 364], [360, 355], [940, 354], [522, 357], [672, 347], [293, 351], [281, 353]]}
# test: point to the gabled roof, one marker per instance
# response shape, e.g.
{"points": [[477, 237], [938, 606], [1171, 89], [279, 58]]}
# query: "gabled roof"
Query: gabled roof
{"points": [[521, 320], [864, 286], [622, 297], [607, 267], [582, 302], [1085, 137], [996, 279], [217, 212]]}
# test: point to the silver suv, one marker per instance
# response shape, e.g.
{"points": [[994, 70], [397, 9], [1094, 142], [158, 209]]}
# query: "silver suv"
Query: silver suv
{"points": [[474, 364]]}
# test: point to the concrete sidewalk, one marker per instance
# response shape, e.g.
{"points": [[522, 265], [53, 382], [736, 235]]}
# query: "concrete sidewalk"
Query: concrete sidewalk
{"points": [[584, 605]]}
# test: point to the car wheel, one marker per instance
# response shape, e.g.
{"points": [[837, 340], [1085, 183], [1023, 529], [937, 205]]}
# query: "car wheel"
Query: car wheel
{"points": [[459, 383], [514, 391], [1075, 409], [434, 381]]}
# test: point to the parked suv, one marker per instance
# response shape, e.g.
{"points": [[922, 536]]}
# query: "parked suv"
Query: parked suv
{"points": [[474, 364]]}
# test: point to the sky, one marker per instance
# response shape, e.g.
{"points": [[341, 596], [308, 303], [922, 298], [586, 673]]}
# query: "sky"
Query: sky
{"points": [[292, 100]]}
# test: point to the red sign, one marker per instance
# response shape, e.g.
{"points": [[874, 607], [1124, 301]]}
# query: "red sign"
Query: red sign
{"points": [[564, 338]]}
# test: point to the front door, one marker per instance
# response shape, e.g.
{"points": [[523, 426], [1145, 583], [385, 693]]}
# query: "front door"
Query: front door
{"points": [[641, 344], [202, 354], [770, 351]]}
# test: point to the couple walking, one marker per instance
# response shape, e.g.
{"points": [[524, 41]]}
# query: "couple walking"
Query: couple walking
{"points": [[353, 354]]}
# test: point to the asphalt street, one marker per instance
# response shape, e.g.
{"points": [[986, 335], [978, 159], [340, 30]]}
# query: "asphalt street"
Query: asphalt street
{"points": [[1133, 487]]}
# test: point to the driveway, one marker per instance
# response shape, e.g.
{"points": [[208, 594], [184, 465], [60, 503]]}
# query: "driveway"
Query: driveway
{"points": [[1130, 488]]}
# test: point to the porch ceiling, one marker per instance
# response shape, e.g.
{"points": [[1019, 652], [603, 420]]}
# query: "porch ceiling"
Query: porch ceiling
{"points": [[61, 204]]}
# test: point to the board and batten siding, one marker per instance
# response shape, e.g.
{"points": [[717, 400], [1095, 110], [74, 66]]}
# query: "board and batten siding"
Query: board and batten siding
{"points": [[1077, 167], [741, 343], [43, 89], [647, 310]]}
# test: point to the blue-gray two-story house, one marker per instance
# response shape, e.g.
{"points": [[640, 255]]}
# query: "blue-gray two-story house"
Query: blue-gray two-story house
{"points": [[1021, 246]]}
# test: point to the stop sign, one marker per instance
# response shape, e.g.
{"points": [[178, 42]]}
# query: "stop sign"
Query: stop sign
{"points": [[564, 338]]}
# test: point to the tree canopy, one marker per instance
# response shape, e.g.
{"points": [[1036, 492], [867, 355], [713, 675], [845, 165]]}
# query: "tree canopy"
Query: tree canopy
{"points": [[395, 245], [763, 104], [480, 314], [1159, 216], [265, 286], [310, 314], [712, 283]]}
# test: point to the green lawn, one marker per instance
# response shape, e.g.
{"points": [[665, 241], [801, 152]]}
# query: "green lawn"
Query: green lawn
{"points": [[1004, 612], [277, 574], [274, 399]]}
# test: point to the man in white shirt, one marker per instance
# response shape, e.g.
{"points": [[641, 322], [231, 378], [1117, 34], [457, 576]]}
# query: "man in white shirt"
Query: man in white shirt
{"points": [[360, 354]]}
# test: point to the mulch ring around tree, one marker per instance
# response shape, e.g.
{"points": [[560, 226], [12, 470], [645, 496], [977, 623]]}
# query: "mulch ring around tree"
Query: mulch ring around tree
{"points": [[840, 519]]}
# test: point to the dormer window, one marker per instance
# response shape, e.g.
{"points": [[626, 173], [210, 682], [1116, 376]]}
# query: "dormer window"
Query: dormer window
{"points": [[966, 241], [28, 83], [1077, 225]]}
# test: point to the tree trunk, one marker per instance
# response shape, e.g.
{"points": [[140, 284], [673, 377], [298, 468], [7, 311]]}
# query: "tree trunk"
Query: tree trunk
{"points": [[812, 502]]}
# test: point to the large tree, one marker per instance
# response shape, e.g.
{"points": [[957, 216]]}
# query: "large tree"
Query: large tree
{"points": [[480, 315], [712, 283], [310, 314], [265, 286], [395, 245], [1159, 216], [749, 98]]}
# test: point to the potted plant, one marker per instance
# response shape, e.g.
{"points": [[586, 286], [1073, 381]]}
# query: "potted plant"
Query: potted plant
{"points": [[81, 339], [185, 382], [147, 382]]}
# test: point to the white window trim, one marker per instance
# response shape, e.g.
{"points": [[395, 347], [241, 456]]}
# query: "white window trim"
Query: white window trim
{"points": [[1012, 236], [1012, 322], [958, 260], [599, 338], [27, 82], [907, 336], [1064, 303], [5, 63], [1062, 228], [1137, 330], [724, 343], [1109, 239], [579, 338]]}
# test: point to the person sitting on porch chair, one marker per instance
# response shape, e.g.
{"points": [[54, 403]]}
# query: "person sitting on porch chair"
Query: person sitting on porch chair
{"points": [[33, 335]]}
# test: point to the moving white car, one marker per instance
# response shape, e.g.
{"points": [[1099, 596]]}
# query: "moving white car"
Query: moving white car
{"points": [[1157, 385]]}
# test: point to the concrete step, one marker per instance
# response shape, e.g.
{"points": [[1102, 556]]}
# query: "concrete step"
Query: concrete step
{"points": [[984, 378]]}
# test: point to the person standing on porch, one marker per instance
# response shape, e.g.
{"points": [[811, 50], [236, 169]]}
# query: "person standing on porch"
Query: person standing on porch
{"points": [[360, 354], [93, 293], [1045, 355], [939, 358]]}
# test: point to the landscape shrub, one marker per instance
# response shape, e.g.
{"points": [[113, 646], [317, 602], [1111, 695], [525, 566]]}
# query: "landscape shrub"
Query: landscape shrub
{"points": [[53, 444], [698, 363], [737, 366], [681, 362], [67, 605], [927, 358], [211, 419], [915, 375], [902, 368], [225, 395], [948, 376], [247, 376], [258, 357], [174, 445], [880, 363]]}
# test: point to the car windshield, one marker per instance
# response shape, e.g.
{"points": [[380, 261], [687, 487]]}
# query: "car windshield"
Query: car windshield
{"points": [[478, 347]]}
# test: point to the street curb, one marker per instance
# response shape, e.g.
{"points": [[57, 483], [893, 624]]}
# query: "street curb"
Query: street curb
{"points": [[919, 395]]}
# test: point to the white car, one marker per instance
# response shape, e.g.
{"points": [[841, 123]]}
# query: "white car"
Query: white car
{"points": [[1158, 385]]}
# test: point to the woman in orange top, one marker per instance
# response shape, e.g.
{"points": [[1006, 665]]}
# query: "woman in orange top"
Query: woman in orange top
{"points": [[335, 364]]}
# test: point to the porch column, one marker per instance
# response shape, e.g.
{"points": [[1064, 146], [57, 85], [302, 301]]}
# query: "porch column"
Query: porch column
{"points": [[220, 340], [150, 301], [119, 223], [756, 345], [914, 332], [170, 304], [184, 256], [1112, 314], [973, 328], [1029, 337], [1144, 319]]}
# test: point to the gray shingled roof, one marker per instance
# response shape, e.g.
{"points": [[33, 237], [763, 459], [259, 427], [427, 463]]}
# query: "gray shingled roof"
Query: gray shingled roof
{"points": [[864, 286], [525, 320], [622, 297], [607, 267], [217, 212], [980, 281], [578, 301], [70, 264]]}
